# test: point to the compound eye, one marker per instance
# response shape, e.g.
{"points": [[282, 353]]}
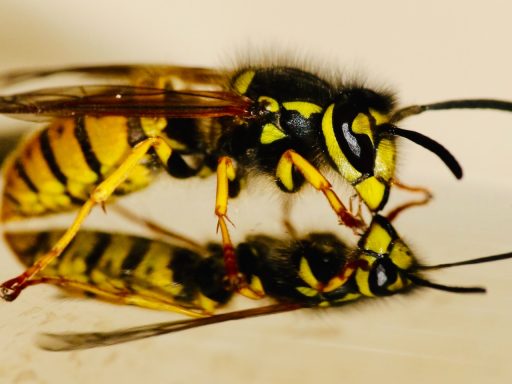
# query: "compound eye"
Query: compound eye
{"points": [[354, 135], [383, 277]]}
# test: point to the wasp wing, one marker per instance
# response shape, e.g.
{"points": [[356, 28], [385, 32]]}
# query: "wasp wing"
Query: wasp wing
{"points": [[128, 74], [123, 100], [75, 341]]}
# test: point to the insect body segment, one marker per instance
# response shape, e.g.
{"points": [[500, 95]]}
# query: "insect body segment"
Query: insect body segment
{"points": [[130, 269]]}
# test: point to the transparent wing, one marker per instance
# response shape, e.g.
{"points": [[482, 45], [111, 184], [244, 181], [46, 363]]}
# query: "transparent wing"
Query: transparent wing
{"points": [[127, 74], [74, 341], [122, 100]]}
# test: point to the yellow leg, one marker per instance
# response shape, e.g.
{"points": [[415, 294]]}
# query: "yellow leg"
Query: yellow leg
{"points": [[318, 181], [118, 296], [12, 288], [225, 173]]}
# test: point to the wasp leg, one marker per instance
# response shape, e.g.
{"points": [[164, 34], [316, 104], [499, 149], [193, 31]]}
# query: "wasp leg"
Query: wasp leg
{"points": [[225, 174], [291, 159], [119, 296], [410, 188], [13, 287], [414, 203], [355, 200]]}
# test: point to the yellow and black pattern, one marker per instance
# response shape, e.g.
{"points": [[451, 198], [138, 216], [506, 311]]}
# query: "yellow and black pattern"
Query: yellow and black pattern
{"points": [[58, 167], [283, 122], [317, 270], [110, 265]]}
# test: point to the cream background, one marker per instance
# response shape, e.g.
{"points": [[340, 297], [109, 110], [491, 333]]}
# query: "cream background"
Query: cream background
{"points": [[428, 51]]}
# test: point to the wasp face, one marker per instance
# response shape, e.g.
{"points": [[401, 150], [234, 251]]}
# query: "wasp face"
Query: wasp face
{"points": [[364, 157], [387, 260]]}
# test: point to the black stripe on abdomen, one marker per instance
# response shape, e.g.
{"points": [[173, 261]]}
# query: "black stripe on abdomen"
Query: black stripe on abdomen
{"points": [[137, 252], [85, 144], [23, 175], [91, 261], [49, 156]]}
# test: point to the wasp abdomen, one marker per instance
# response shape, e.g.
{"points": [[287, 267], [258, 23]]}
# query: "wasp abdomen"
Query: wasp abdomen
{"points": [[124, 264], [57, 168]]}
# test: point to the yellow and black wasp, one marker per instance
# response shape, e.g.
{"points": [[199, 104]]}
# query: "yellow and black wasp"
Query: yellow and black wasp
{"points": [[317, 270], [285, 122]]}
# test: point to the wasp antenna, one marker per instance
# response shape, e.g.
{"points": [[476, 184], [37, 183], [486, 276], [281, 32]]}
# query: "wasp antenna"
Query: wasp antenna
{"points": [[412, 110], [479, 260], [447, 288], [77, 341], [427, 143]]}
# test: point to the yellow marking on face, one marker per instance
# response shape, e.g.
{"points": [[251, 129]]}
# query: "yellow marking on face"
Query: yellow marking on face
{"points": [[306, 274], [361, 124], [271, 133], [400, 255], [385, 159], [372, 191], [153, 126], [324, 304], [68, 153], [307, 291], [344, 167], [306, 109], [243, 81], [271, 104], [397, 285], [377, 240], [379, 117], [362, 278], [284, 173]]}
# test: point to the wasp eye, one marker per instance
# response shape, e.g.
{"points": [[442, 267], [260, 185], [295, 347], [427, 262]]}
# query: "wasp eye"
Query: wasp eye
{"points": [[353, 131], [349, 128], [384, 277]]}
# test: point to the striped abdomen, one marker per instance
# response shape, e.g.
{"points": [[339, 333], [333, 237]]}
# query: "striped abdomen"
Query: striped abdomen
{"points": [[124, 264], [57, 168]]}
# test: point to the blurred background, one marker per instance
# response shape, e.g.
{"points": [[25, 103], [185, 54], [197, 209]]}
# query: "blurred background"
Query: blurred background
{"points": [[427, 51]]}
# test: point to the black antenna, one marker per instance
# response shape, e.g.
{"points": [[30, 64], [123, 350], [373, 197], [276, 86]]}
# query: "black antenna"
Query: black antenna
{"points": [[499, 105], [427, 143], [479, 260], [425, 283]]}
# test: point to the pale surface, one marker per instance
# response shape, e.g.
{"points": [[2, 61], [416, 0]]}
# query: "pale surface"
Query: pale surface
{"points": [[429, 51]]}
